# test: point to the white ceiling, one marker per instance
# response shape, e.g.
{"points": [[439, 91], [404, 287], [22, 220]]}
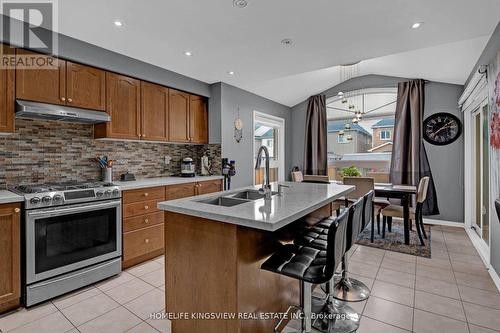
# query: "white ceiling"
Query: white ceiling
{"points": [[325, 33]]}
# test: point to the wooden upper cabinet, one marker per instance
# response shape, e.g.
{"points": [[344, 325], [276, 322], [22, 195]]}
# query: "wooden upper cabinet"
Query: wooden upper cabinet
{"points": [[154, 111], [198, 119], [7, 94], [123, 104], [46, 85], [10, 247], [85, 87], [178, 121]]}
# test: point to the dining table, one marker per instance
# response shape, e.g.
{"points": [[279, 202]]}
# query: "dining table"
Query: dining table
{"points": [[404, 193]]}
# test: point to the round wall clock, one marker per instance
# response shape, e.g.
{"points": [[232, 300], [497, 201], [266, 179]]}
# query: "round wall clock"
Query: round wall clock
{"points": [[442, 128]]}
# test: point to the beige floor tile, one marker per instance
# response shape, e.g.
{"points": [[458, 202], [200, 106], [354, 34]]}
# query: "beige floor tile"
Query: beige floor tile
{"points": [[53, 323], [160, 260], [436, 273], [116, 321], [162, 287], [437, 287], [439, 254], [75, 297], [394, 293], [115, 281], [155, 278], [370, 271], [457, 248], [473, 259], [478, 329], [367, 281], [371, 250], [89, 309], [399, 256], [143, 306], [142, 328], [399, 278], [439, 305], [389, 312], [399, 265], [126, 292], [162, 325], [472, 269], [437, 263], [145, 268], [476, 281], [480, 297], [425, 322], [22, 317], [482, 316], [368, 258], [369, 325]]}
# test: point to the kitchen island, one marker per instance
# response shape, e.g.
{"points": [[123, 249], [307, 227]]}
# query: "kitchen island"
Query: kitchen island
{"points": [[215, 244]]}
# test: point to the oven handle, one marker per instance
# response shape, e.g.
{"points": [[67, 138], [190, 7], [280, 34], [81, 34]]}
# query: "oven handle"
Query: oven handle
{"points": [[64, 211]]}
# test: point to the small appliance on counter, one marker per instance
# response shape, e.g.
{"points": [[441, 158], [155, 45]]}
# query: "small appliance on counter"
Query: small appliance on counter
{"points": [[205, 165], [187, 167], [127, 177], [228, 171]]}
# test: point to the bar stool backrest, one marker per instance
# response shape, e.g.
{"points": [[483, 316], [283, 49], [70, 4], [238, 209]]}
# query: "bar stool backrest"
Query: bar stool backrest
{"points": [[363, 186], [423, 185], [336, 243], [367, 209], [354, 223]]}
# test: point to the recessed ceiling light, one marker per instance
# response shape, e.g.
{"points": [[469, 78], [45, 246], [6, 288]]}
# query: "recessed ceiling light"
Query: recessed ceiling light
{"points": [[286, 41], [118, 23], [188, 53], [230, 73], [240, 3], [416, 25]]}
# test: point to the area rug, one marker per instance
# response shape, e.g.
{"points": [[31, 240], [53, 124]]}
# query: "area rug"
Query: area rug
{"points": [[394, 240]]}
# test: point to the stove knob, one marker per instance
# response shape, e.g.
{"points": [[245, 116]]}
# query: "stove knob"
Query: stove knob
{"points": [[35, 200], [57, 198], [116, 192], [108, 193], [99, 194], [46, 199]]}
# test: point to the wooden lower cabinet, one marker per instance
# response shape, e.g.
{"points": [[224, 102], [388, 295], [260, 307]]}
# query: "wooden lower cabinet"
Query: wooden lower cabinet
{"points": [[10, 279], [143, 222]]}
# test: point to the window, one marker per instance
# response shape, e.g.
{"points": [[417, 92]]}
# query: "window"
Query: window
{"points": [[269, 131], [385, 135], [342, 139]]}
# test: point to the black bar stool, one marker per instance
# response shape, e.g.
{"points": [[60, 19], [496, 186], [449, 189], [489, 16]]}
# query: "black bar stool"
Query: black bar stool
{"points": [[316, 266], [347, 288]]}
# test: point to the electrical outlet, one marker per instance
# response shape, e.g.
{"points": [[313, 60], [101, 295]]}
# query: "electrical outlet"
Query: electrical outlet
{"points": [[167, 160]]}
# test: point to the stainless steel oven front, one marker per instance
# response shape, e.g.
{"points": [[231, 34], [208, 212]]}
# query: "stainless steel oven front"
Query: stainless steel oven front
{"points": [[65, 239]]}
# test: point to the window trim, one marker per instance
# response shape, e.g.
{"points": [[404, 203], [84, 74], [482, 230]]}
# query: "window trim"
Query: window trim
{"points": [[386, 138]]}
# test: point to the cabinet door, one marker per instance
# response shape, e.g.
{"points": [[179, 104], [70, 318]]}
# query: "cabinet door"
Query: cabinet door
{"points": [[154, 111], [179, 191], [10, 279], [209, 186], [85, 87], [6, 95], [198, 119], [178, 116], [46, 85], [123, 105]]}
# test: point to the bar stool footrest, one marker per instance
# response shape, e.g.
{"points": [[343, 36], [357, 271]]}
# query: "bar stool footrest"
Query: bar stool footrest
{"points": [[334, 316]]}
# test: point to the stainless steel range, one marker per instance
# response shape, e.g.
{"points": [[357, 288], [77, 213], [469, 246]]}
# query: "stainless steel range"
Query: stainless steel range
{"points": [[71, 237]]}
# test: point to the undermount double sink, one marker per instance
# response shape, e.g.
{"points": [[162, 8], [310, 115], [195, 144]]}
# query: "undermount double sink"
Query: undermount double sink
{"points": [[238, 198]]}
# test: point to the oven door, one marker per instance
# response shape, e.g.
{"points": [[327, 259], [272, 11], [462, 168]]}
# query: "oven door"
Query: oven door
{"points": [[63, 239]]}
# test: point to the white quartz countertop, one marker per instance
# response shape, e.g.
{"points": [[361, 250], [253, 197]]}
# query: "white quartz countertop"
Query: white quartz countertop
{"points": [[9, 197], [162, 181], [298, 200]]}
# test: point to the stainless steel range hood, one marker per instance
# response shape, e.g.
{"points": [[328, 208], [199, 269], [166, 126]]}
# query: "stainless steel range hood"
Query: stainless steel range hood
{"points": [[35, 110]]}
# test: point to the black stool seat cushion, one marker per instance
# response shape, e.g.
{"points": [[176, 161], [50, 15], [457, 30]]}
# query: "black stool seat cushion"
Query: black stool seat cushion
{"points": [[300, 262]]}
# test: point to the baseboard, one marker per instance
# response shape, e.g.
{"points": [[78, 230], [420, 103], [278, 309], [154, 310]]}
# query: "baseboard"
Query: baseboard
{"points": [[476, 242], [444, 223], [494, 277]]}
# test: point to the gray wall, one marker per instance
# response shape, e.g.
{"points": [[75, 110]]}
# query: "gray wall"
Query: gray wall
{"points": [[230, 99], [89, 54], [447, 172]]}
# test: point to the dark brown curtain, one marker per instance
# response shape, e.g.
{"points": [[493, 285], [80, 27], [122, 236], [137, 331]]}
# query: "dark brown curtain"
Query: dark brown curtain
{"points": [[315, 146], [409, 160]]}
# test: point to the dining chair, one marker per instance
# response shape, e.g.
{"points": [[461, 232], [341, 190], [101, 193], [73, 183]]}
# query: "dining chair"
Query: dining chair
{"points": [[415, 213], [363, 186]]}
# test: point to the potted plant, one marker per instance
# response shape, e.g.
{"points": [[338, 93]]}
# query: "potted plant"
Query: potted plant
{"points": [[351, 171]]}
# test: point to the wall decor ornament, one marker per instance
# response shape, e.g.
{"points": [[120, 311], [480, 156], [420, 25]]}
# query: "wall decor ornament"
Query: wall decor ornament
{"points": [[238, 128]]}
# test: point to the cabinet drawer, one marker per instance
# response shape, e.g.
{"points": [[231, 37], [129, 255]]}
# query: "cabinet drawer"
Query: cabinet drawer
{"points": [[143, 194], [140, 208], [143, 241], [209, 186], [179, 191], [142, 221]]}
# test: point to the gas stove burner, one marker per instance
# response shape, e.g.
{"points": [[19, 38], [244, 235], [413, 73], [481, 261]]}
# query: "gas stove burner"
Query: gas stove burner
{"points": [[65, 186]]}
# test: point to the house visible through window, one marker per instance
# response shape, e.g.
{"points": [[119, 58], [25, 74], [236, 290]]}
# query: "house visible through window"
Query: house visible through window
{"points": [[385, 135], [342, 138]]}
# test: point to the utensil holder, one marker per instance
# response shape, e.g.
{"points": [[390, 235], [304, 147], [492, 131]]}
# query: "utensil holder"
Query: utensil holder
{"points": [[107, 175]]}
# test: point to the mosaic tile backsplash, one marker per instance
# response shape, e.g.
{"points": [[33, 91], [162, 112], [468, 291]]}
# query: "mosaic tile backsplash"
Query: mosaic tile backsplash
{"points": [[48, 151]]}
